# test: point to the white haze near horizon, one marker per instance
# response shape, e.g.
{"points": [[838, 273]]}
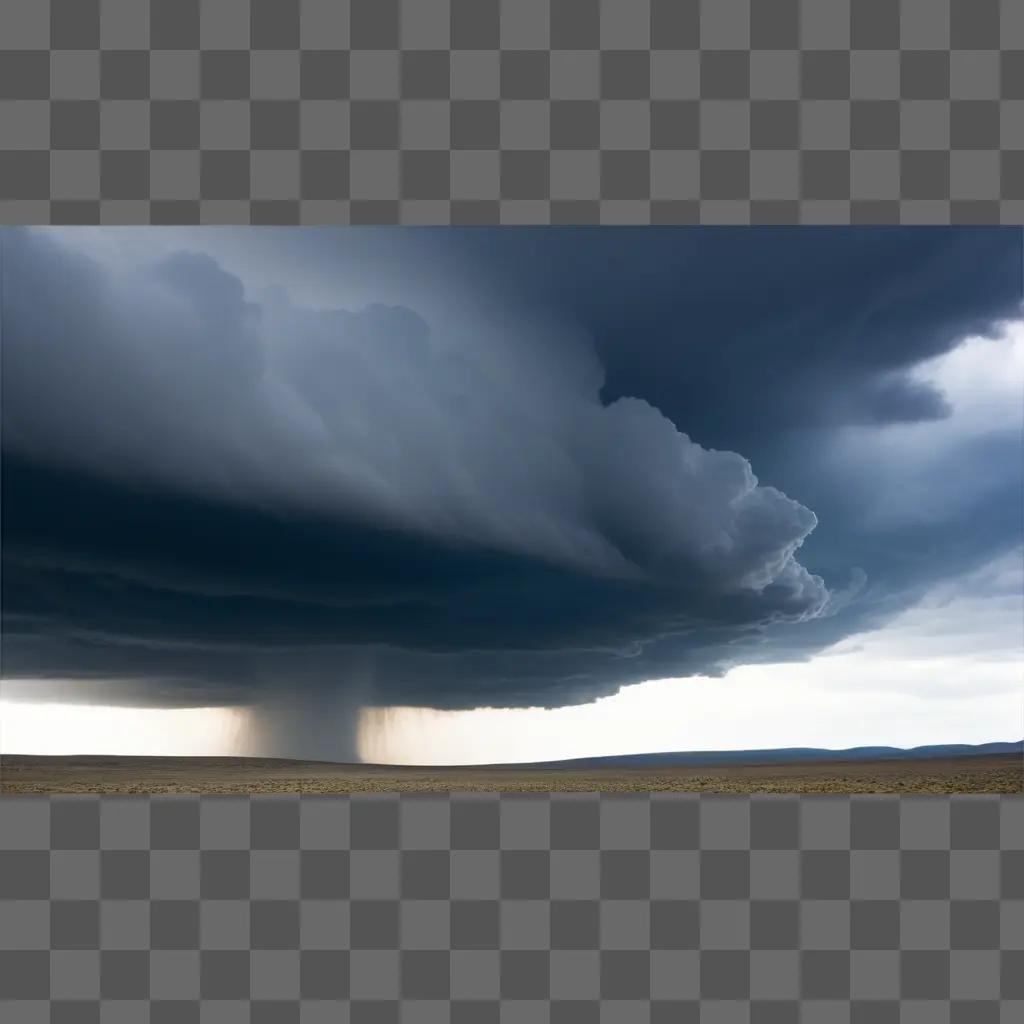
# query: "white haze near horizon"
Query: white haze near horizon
{"points": [[53, 728]]}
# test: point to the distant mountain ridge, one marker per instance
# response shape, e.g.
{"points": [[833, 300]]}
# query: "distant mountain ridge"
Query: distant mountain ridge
{"points": [[781, 755]]}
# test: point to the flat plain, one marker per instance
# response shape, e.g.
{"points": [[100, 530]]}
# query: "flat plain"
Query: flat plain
{"points": [[1000, 773]]}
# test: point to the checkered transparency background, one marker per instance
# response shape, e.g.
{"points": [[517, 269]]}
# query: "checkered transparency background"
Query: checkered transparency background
{"points": [[511, 111], [533, 909], [553, 909]]}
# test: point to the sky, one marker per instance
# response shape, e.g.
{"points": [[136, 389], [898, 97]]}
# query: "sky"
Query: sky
{"points": [[456, 495]]}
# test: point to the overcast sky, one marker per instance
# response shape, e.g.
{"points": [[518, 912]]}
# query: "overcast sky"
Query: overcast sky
{"points": [[309, 472]]}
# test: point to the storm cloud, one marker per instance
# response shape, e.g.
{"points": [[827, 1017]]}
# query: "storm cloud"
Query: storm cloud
{"points": [[608, 467]]}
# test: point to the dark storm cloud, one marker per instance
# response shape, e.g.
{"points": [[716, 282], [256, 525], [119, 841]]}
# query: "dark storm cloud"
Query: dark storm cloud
{"points": [[808, 327], [188, 470], [496, 438], [736, 334], [207, 494]]}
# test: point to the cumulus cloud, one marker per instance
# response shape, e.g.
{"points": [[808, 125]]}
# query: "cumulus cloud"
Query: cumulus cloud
{"points": [[169, 375]]}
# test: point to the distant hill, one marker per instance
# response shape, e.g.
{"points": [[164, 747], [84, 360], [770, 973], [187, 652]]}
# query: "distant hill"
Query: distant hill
{"points": [[782, 755]]}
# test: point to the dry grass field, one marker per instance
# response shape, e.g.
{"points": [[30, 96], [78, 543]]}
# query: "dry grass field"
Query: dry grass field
{"points": [[1001, 773]]}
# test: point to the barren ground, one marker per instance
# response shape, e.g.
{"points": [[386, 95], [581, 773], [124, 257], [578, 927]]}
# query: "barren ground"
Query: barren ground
{"points": [[1003, 773]]}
